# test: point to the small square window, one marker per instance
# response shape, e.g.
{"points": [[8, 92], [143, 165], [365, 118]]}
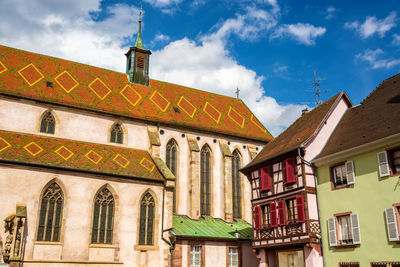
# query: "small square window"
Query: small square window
{"points": [[339, 175], [195, 256]]}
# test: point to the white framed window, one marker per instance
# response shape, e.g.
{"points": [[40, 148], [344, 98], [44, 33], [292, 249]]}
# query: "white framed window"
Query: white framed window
{"points": [[343, 174], [233, 257], [195, 256], [392, 215], [344, 230]]}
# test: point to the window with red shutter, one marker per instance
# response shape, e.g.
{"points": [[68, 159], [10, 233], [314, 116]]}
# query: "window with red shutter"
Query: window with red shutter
{"points": [[300, 209], [290, 173], [281, 212], [265, 179], [257, 217], [274, 217]]}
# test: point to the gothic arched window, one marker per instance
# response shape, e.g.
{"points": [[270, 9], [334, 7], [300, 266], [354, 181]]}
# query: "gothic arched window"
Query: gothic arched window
{"points": [[236, 196], [50, 214], [117, 134], [171, 160], [146, 226], [48, 123], [103, 217], [205, 180]]}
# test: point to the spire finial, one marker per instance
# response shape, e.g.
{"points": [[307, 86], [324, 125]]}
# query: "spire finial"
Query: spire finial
{"points": [[138, 42], [237, 92]]}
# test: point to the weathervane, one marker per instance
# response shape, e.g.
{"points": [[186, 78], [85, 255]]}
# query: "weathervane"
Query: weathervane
{"points": [[237, 92]]}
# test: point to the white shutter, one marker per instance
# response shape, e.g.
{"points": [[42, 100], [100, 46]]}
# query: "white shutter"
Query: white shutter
{"points": [[351, 178], [391, 223], [383, 164], [355, 228], [332, 231]]}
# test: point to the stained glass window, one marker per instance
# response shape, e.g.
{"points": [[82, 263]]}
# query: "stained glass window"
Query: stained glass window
{"points": [[48, 123], [117, 134], [236, 196], [103, 217], [205, 180], [146, 226], [171, 160], [50, 214]]}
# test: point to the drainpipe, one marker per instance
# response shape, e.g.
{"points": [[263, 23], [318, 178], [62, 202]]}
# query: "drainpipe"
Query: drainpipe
{"points": [[316, 190], [171, 244]]}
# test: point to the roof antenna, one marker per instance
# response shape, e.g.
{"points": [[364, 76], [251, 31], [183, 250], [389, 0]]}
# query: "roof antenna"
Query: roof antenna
{"points": [[237, 92], [317, 91]]}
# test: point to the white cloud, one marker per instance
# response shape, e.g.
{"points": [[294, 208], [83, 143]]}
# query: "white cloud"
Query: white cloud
{"points": [[396, 39], [163, 3], [372, 25], [304, 33], [375, 60], [250, 25], [330, 12]]}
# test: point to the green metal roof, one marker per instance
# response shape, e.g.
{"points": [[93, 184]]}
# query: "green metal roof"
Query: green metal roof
{"points": [[209, 227], [138, 42]]}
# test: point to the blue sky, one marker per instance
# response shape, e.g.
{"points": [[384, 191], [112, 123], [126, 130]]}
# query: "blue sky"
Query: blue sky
{"points": [[267, 48]]}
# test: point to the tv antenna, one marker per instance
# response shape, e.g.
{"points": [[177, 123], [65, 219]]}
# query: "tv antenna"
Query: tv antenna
{"points": [[318, 92]]}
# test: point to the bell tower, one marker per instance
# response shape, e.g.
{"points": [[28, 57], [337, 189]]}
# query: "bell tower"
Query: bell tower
{"points": [[137, 59]]}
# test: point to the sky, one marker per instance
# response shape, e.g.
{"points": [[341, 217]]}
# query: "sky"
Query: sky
{"points": [[269, 49]]}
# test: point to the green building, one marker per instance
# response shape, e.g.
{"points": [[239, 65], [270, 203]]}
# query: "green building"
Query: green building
{"points": [[359, 185]]}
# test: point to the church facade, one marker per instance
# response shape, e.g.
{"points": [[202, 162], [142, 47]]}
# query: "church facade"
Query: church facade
{"points": [[103, 168]]}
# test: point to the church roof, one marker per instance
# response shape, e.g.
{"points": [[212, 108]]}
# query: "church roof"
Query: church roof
{"points": [[61, 82], [34, 150]]}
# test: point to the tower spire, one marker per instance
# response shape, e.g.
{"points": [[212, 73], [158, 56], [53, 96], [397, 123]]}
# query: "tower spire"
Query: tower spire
{"points": [[138, 42]]}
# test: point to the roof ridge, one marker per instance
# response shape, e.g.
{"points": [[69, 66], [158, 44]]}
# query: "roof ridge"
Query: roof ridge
{"points": [[379, 85]]}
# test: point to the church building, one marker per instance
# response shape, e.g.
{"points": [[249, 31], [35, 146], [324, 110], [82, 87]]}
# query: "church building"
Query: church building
{"points": [[104, 168]]}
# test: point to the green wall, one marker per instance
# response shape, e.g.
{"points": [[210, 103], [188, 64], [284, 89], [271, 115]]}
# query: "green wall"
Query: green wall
{"points": [[368, 197]]}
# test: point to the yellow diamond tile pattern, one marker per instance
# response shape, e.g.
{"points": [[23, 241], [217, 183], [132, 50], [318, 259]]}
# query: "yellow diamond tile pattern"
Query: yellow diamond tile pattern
{"points": [[160, 101], [2, 68], [256, 123], [236, 117], [33, 148], [4, 144], [64, 152], [66, 81], [130, 95], [99, 88], [147, 164], [93, 157], [211, 111], [121, 160], [186, 106], [31, 74]]}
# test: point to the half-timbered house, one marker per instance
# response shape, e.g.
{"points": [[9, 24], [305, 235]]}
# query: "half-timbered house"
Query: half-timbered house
{"points": [[284, 195]]}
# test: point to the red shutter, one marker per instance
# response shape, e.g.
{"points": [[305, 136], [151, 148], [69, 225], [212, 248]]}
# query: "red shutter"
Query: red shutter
{"points": [[274, 217], [300, 209], [290, 175], [257, 217], [265, 179], [281, 211]]}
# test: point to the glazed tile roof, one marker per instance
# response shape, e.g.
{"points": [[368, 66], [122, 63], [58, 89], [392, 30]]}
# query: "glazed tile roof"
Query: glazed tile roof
{"points": [[376, 117], [44, 78], [297, 133], [80, 156], [210, 228]]}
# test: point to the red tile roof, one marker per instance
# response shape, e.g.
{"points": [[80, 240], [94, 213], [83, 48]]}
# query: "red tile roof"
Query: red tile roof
{"points": [[297, 133], [376, 117], [79, 156], [25, 74]]}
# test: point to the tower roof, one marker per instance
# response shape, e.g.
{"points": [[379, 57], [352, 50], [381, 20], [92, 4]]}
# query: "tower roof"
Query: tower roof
{"points": [[138, 42]]}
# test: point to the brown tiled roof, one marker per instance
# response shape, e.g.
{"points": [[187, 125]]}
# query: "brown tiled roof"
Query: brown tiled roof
{"points": [[21, 148], [377, 116], [27, 75], [297, 133]]}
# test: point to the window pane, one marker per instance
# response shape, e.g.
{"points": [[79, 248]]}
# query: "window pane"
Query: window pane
{"points": [[103, 217], [95, 222], [150, 225], [142, 227]]}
